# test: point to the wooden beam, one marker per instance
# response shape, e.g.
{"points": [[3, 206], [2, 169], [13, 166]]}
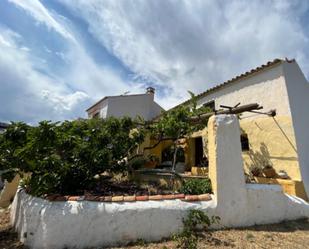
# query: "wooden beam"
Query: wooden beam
{"points": [[233, 110]]}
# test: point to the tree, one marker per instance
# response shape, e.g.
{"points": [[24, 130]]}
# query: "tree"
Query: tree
{"points": [[176, 124], [64, 157]]}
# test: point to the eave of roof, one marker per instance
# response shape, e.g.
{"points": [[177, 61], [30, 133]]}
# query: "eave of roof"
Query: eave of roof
{"points": [[263, 67]]}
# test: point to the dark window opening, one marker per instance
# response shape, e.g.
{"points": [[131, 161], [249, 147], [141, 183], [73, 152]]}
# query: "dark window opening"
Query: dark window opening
{"points": [[96, 115], [200, 159], [210, 105], [244, 142]]}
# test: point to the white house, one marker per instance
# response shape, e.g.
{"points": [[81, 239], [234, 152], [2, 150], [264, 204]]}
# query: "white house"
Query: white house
{"points": [[281, 141], [133, 105]]}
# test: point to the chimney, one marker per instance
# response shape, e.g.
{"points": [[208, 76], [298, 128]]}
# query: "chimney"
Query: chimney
{"points": [[150, 90]]}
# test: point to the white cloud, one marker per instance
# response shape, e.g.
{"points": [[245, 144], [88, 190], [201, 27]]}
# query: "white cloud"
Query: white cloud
{"points": [[23, 89], [96, 80], [64, 102], [180, 46], [8, 37], [4, 42], [36, 9], [192, 45], [44, 94], [25, 49]]}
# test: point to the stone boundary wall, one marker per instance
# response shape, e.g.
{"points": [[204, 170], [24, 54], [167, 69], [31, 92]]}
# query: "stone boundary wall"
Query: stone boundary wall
{"points": [[78, 224]]}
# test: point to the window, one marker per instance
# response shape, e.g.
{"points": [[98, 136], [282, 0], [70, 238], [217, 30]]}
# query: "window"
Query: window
{"points": [[210, 105], [244, 142], [200, 159], [96, 115]]}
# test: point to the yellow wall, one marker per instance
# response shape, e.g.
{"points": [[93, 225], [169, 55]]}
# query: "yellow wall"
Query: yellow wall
{"points": [[159, 148], [8, 192], [272, 141], [292, 187]]}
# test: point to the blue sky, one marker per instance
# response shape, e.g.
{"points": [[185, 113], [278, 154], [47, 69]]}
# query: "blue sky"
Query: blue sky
{"points": [[57, 57]]}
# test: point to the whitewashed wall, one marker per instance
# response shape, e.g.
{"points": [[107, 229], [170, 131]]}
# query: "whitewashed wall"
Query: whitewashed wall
{"points": [[266, 88], [43, 224], [100, 108], [298, 93], [128, 105]]}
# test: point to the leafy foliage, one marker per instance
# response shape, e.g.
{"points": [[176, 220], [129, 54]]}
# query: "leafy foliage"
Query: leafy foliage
{"points": [[64, 158], [168, 153], [195, 222], [175, 123], [196, 186]]}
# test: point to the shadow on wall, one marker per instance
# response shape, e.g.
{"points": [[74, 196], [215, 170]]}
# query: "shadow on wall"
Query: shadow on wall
{"points": [[285, 135], [263, 157]]}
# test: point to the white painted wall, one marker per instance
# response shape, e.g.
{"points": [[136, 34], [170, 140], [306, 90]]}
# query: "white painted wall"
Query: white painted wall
{"points": [[266, 88], [225, 154], [100, 108], [240, 204], [298, 93], [128, 105], [43, 224], [103, 112], [156, 110], [94, 224]]}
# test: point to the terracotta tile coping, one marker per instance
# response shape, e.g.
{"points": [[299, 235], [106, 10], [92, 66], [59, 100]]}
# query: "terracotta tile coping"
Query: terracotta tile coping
{"points": [[132, 198]]}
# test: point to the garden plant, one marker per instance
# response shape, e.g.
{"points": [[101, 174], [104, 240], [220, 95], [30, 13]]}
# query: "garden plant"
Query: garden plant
{"points": [[64, 158]]}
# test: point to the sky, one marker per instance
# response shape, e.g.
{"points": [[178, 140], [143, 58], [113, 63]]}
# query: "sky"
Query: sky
{"points": [[58, 57]]}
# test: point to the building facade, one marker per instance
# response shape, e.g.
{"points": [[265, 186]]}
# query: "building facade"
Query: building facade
{"points": [[133, 105], [281, 141]]}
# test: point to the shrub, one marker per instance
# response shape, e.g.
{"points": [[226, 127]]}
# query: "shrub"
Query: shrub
{"points": [[196, 186], [64, 158], [195, 222], [138, 162]]}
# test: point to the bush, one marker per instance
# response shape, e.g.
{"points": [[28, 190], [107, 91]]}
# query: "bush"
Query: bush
{"points": [[196, 186], [195, 222], [138, 163], [64, 158]]}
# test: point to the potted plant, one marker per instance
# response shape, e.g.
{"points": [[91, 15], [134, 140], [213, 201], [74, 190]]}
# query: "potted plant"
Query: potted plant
{"points": [[256, 171], [269, 172]]}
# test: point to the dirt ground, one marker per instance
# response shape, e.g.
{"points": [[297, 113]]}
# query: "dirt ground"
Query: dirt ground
{"points": [[8, 239], [291, 234]]}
